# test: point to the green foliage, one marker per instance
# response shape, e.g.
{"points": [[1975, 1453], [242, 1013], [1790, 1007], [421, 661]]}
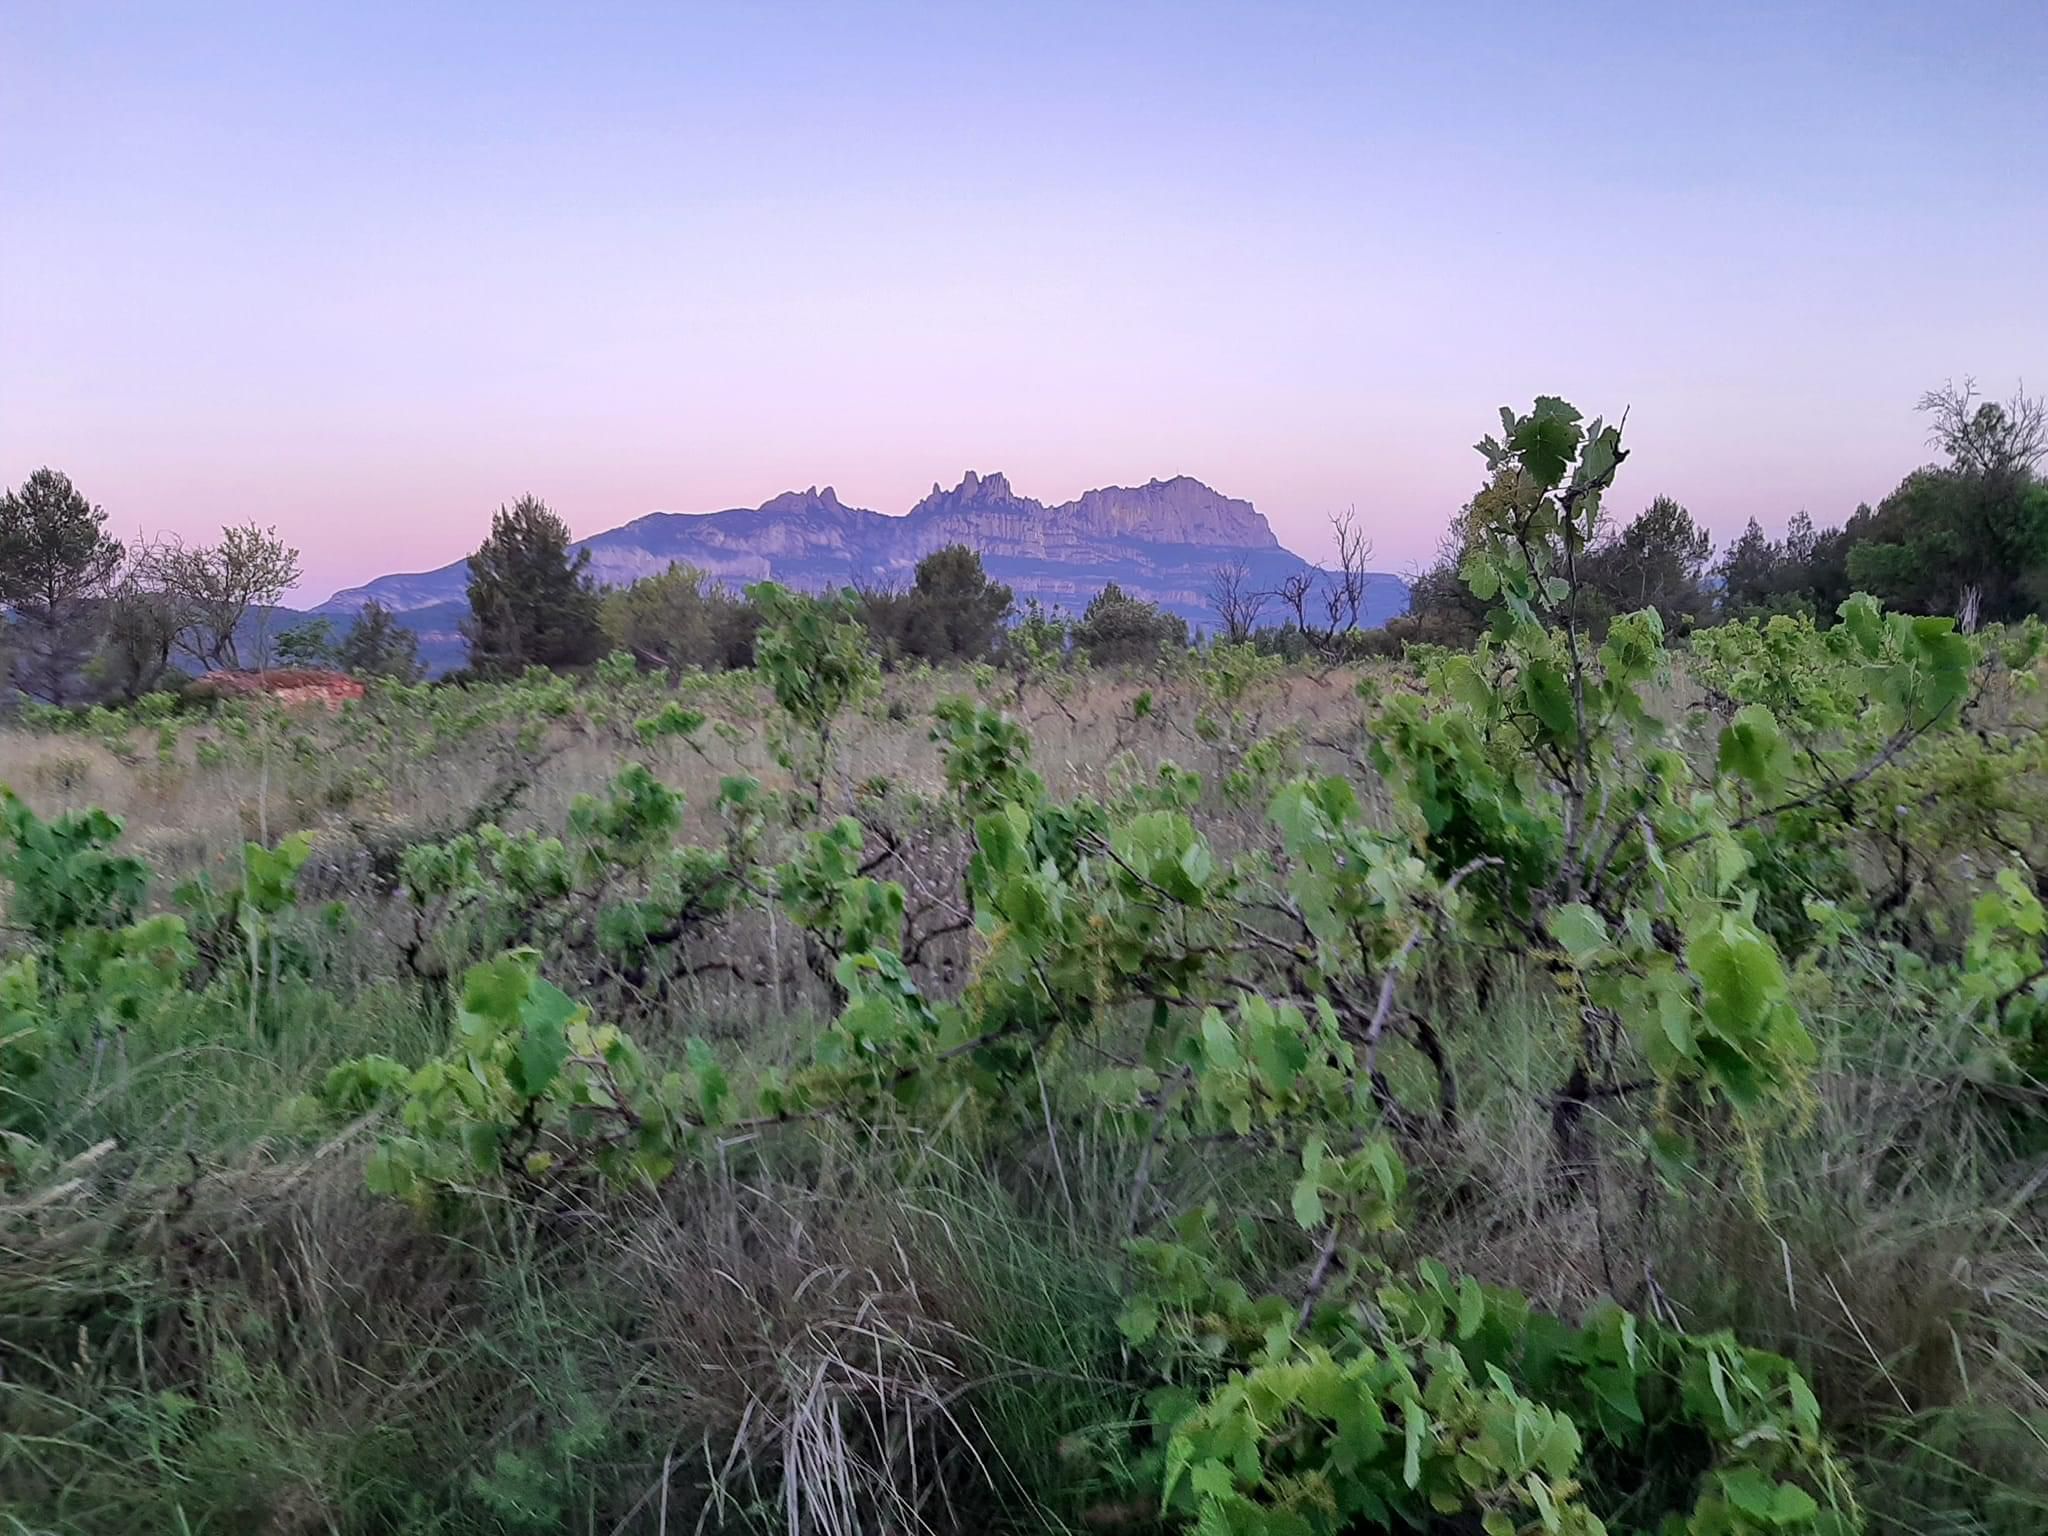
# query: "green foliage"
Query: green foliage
{"points": [[530, 603], [531, 1090], [619, 866], [2006, 968], [987, 756], [824, 889], [378, 646], [951, 612], [1117, 629], [22, 1044], [813, 654], [65, 881], [310, 644], [1400, 1398], [1562, 881], [681, 619], [56, 561]]}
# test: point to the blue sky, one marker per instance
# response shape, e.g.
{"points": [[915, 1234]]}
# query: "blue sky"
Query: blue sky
{"points": [[368, 271]]}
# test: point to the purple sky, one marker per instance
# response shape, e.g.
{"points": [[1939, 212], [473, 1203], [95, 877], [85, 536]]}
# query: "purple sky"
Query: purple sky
{"points": [[366, 271]]}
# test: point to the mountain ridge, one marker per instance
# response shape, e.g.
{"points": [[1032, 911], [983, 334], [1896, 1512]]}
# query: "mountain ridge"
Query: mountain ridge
{"points": [[1159, 541]]}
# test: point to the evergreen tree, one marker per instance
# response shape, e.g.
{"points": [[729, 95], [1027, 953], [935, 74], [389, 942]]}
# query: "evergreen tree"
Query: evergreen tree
{"points": [[377, 645], [960, 612], [679, 619], [952, 611], [57, 563], [1118, 629], [1658, 560], [530, 603], [310, 644]]}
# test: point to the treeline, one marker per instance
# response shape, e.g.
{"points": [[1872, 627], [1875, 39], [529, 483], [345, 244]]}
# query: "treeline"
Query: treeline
{"points": [[533, 603], [1966, 537], [89, 619]]}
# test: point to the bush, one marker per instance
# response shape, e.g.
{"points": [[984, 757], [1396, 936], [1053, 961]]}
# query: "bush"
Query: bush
{"points": [[1119, 630]]}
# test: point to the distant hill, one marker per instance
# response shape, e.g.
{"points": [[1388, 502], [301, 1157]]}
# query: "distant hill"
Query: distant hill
{"points": [[1160, 541]]}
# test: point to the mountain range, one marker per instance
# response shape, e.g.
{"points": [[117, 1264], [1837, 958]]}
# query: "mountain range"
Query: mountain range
{"points": [[1160, 541]]}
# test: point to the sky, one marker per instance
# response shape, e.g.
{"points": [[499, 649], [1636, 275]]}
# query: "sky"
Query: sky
{"points": [[366, 271]]}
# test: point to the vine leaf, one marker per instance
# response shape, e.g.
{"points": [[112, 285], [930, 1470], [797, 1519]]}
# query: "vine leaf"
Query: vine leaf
{"points": [[1755, 750], [1581, 930]]}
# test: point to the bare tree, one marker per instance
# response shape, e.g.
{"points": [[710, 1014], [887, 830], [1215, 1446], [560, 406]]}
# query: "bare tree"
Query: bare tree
{"points": [[1235, 601], [1326, 602], [1295, 591], [1344, 588], [142, 625], [1985, 437], [217, 588]]}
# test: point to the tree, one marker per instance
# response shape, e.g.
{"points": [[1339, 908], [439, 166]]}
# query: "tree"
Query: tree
{"points": [[680, 619], [1327, 603], [220, 588], [951, 612], [1344, 588], [1977, 524], [1235, 602], [1659, 560], [1996, 442], [377, 645], [530, 602], [140, 630], [57, 561], [1117, 629], [1806, 572], [310, 644], [959, 611]]}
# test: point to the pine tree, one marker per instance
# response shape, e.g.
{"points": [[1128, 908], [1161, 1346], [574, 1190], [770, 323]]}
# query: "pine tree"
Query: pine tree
{"points": [[530, 603], [377, 645], [57, 563]]}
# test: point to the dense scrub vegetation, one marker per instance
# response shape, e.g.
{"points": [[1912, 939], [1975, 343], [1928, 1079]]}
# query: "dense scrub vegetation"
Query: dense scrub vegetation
{"points": [[1564, 1083]]}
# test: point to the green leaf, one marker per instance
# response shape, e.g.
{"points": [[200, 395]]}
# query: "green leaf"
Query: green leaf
{"points": [[1219, 1042], [1471, 1307], [1308, 1189], [1549, 697], [1793, 1505], [1415, 1429], [1139, 1320], [544, 1038], [1547, 438], [1751, 1492], [1580, 929], [1753, 748], [1481, 576]]}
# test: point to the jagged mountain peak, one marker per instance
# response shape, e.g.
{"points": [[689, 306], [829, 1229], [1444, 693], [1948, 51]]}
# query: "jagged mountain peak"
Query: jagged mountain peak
{"points": [[974, 490], [800, 502]]}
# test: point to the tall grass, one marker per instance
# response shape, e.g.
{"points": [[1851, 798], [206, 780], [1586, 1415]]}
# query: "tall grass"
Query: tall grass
{"points": [[207, 1324]]}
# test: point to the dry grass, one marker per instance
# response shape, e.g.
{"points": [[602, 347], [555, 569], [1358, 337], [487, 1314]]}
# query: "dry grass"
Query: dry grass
{"points": [[865, 1332]]}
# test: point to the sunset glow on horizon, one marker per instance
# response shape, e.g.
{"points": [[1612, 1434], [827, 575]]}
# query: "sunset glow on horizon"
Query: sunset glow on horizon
{"points": [[368, 275]]}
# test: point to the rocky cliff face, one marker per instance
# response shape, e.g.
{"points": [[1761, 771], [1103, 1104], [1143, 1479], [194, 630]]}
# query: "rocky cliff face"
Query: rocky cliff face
{"points": [[1160, 540], [988, 515]]}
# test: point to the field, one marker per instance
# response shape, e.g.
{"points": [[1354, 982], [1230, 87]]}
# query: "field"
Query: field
{"points": [[1587, 1083]]}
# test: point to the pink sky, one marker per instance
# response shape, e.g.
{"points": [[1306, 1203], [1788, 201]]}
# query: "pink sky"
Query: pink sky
{"points": [[367, 275]]}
